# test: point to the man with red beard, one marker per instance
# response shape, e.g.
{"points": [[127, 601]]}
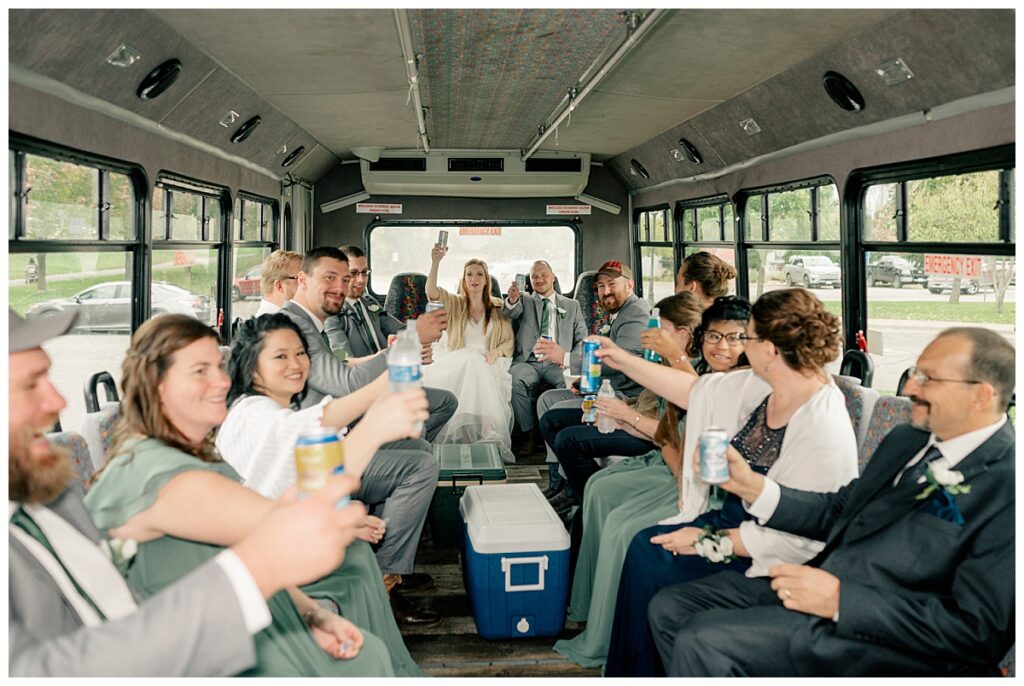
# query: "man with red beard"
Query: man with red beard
{"points": [[71, 612]]}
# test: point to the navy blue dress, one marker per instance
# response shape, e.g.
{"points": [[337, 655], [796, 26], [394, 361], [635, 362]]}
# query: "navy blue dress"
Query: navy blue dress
{"points": [[649, 568]]}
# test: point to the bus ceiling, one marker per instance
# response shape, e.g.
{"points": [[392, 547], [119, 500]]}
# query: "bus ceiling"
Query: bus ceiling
{"points": [[654, 95]]}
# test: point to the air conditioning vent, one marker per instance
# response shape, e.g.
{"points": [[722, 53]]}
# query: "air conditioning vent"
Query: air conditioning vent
{"points": [[400, 164], [554, 164], [476, 164]]}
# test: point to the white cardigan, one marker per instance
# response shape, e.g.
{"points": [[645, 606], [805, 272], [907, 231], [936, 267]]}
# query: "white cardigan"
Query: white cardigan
{"points": [[819, 453], [258, 438]]}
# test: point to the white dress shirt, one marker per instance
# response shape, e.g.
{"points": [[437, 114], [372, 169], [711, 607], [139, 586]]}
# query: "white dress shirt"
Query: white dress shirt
{"points": [[267, 307]]}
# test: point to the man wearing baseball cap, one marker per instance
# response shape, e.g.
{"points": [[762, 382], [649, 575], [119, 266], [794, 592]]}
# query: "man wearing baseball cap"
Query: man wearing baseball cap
{"points": [[560, 408], [72, 613]]}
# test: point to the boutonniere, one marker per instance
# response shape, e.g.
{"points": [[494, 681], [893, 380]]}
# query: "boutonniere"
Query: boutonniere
{"points": [[714, 546], [561, 312], [120, 551], [605, 328], [940, 477], [373, 307]]}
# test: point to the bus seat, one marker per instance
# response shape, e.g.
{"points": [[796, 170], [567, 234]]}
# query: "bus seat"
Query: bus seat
{"points": [[407, 295], [858, 364], [860, 402], [81, 461], [888, 412], [97, 430], [594, 313], [92, 401]]}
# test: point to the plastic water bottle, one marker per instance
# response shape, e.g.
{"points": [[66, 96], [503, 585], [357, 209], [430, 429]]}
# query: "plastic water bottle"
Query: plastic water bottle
{"points": [[404, 359], [605, 424], [653, 323]]}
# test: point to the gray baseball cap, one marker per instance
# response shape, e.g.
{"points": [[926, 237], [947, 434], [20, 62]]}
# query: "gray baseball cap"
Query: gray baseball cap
{"points": [[25, 334]]}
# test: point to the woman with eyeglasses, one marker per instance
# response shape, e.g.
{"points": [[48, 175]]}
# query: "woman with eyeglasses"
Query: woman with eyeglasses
{"points": [[788, 419], [636, 419], [625, 498]]}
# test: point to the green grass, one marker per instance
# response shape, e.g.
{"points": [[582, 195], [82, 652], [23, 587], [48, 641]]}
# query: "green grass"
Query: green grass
{"points": [[967, 312]]}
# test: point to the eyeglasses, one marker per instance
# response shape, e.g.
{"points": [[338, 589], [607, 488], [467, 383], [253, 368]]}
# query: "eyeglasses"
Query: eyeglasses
{"points": [[715, 337], [292, 277], [356, 273], [921, 378]]}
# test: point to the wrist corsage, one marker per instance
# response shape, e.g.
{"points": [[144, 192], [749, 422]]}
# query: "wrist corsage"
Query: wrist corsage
{"points": [[714, 546]]}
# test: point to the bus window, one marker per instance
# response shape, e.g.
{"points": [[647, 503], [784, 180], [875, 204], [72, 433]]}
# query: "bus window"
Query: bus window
{"points": [[708, 225], [62, 200], [655, 266], [255, 237], [507, 249]]}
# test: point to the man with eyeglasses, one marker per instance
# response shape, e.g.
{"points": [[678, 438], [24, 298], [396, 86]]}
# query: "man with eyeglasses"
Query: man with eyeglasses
{"points": [[278, 280], [363, 326], [917, 573]]}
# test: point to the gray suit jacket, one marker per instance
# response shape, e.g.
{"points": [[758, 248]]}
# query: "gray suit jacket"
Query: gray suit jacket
{"points": [[629, 323], [910, 579], [327, 374], [525, 316], [194, 627], [344, 330]]}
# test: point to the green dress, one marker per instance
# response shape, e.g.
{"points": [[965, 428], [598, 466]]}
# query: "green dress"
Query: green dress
{"points": [[618, 503], [130, 485]]}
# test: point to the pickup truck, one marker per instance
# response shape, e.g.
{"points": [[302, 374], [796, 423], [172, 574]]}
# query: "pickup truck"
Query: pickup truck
{"points": [[811, 271], [895, 271]]}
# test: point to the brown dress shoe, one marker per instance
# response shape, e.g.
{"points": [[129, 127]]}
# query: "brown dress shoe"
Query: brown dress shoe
{"points": [[417, 582], [406, 612]]}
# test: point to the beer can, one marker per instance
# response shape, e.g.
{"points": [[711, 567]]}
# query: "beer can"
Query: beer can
{"points": [[540, 356], [318, 455], [714, 465], [590, 409], [590, 368], [442, 237], [431, 306]]}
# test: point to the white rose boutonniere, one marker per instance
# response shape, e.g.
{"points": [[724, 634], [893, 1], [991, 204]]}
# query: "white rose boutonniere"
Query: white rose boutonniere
{"points": [[373, 307], [942, 477], [605, 328], [120, 551], [714, 546], [561, 312]]}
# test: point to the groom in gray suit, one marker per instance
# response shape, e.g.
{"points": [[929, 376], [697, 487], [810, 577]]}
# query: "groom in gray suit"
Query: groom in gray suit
{"points": [[548, 313], [71, 612], [917, 574]]}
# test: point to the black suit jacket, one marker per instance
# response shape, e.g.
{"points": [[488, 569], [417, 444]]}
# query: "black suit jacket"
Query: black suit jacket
{"points": [[909, 579]]}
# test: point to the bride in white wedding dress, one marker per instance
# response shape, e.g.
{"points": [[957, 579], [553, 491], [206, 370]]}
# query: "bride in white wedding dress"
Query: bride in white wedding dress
{"points": [[472, 359]]}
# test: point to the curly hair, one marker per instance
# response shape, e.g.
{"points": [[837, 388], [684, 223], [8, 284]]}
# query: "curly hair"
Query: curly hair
{"points": [[246, 349], [146, 362], [726, 308], [806, 335], [710, 272]]}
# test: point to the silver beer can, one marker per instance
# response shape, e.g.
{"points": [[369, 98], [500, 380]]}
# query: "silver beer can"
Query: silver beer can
{"points": [[431, 306], [714, 465]]}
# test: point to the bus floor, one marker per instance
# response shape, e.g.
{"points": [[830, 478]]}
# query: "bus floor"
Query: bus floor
{"points": [[452, 647]]}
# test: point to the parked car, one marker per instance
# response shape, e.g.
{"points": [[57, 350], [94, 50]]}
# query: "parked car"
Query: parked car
{"points": [[895, 271], [248, 284], [812, 271], [941, 283], [108, 306]]}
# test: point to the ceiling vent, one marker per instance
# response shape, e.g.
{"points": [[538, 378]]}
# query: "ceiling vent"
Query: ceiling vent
{"points": [[477, 174]]}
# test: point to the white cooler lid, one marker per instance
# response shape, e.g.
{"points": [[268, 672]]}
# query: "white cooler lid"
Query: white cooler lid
{"points": [[511, 518]]}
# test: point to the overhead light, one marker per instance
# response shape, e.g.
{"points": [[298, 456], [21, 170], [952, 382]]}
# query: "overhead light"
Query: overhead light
{"points": [[293, 156], [691, 151], [228, 119], [344, 202], [609, 207], [124, 57], [750, 127], [246, 129], [283, 149], [842, 91], [637, 168], [370, 153], [894, 72], [159, 80]]}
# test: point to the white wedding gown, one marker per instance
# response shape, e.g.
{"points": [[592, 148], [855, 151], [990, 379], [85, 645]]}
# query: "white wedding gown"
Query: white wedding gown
{"points": [[484, 391]]}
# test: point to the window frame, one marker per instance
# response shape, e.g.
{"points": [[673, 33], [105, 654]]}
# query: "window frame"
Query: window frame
{"points": [[574, 224], [639, 244]]}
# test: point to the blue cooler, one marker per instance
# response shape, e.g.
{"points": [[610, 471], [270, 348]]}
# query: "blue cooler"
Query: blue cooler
{"points": [[516, 561]]}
